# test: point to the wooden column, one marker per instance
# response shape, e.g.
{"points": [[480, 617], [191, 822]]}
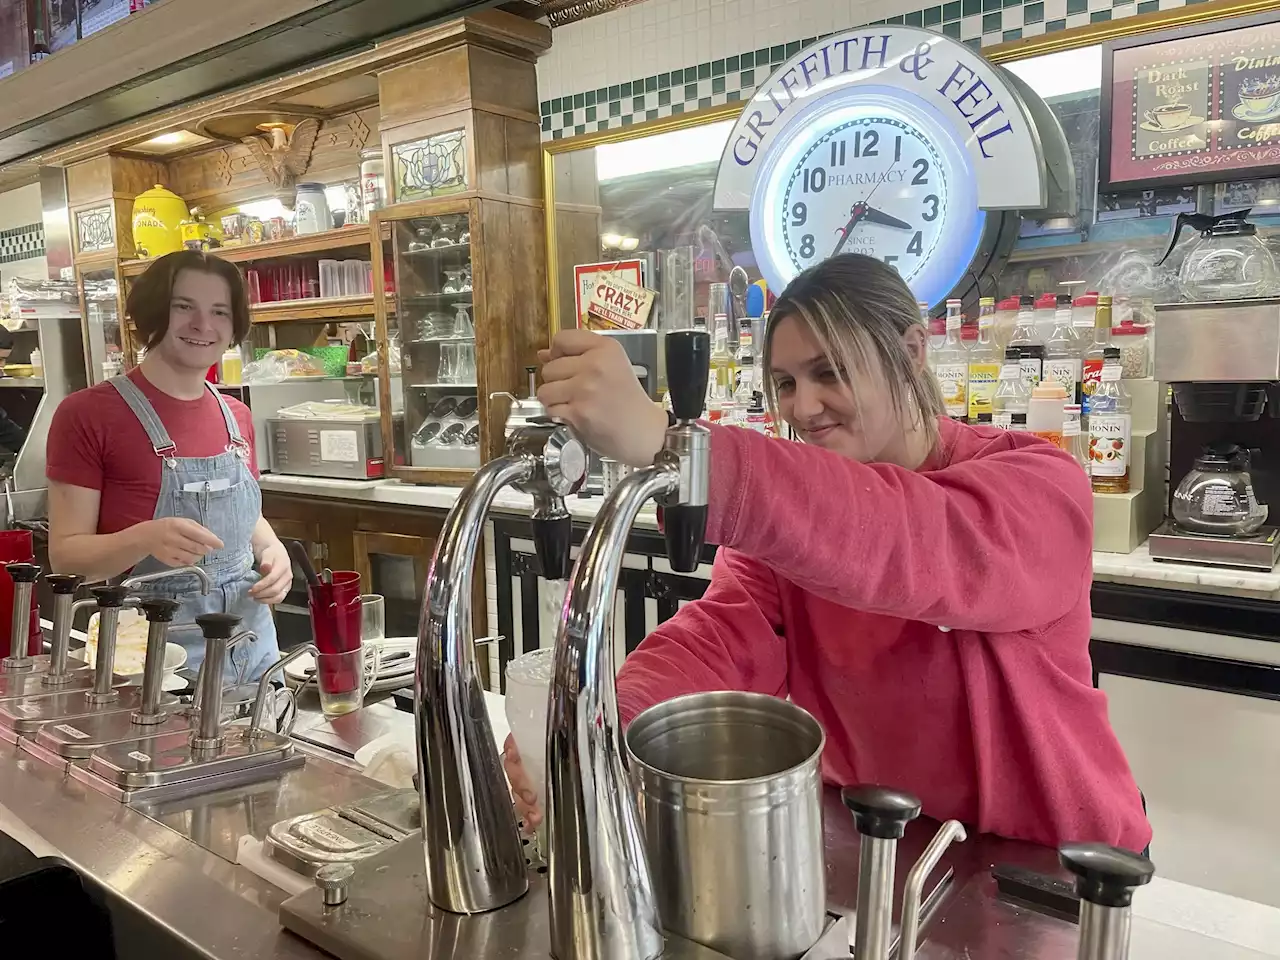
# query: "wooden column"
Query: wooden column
{"points": [[478, 76]]}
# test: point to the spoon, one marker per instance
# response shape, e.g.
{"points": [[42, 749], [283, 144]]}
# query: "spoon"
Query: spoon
{"points": [[738, 283]]}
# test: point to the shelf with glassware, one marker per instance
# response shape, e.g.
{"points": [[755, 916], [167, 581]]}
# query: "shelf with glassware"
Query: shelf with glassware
{"points": [[430, 339], [458, 318]]}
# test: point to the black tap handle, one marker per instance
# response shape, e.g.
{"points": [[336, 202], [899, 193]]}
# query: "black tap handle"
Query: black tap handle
{"points": [[23, 572], [552, 539], [64, 583], [218, 625], [880, 811], [159, 609], [688, 355], [1106, 875], [685, 530], [109, 596]]}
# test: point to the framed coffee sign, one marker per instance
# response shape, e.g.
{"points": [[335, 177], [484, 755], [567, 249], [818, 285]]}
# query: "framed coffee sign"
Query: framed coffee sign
{"points": [[1192, 105]]}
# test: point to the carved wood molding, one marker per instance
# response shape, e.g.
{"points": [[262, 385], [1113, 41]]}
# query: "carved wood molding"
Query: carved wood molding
{"points": [[489, 28]]}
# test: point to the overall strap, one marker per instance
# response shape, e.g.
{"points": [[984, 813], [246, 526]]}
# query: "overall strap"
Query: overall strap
{"points": [[233, 428], [146, 414]]}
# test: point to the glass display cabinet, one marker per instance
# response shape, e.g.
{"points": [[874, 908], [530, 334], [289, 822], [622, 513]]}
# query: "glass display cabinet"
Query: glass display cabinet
{"points": [[98, 286], [450, 324]]}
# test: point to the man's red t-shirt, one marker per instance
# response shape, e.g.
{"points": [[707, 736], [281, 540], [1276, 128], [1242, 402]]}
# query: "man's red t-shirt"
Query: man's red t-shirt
{"points": [[97, 442]]}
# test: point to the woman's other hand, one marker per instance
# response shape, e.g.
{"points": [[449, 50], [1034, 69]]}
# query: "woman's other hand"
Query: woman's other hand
{"points": [[522, 792], [588, 382]]}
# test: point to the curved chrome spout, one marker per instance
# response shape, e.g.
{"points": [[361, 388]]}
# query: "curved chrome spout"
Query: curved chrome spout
{"points": [[474, 857], [603, 905], [205, 583]]}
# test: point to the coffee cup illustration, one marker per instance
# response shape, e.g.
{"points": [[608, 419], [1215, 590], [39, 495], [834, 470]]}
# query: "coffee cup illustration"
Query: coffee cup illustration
{"points": [[1169, 116], [1260, 96]]}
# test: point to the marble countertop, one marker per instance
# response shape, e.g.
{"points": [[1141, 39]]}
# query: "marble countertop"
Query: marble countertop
{"points": [[393, 492], [1134, 568]]}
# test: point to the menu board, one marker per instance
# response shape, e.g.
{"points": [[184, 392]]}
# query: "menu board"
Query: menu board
{"points": [[1196, 105]]}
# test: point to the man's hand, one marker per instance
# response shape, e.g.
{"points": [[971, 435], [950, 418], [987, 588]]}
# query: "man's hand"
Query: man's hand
{"points": [[176, 541], [277, 574], [588, 382]]}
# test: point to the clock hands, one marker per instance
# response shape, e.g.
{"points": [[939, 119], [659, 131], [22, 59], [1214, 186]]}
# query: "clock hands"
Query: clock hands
{"points": [[876, 216], [858, 212], [864, 211]]}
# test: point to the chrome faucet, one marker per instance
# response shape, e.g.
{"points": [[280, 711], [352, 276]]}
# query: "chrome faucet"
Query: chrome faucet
{"points": [[603, 905], [474, 857], [205, 583]]}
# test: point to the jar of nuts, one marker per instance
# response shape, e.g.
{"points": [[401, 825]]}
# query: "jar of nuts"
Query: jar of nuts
{"points": [[1134, 341]]}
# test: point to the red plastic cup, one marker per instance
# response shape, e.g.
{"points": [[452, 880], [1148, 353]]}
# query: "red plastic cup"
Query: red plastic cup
{"points": [[16, 546], [336, 618]]}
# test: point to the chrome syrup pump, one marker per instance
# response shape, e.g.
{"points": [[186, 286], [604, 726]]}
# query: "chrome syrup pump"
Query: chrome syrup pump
{"points": [[1105, 879], [602, 898], [474, 856]]}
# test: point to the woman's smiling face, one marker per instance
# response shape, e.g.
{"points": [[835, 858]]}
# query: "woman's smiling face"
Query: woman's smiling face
{"points": [[818, 400]]}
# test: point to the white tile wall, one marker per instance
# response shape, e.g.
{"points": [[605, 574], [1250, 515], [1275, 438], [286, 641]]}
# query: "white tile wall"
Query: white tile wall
{"points": [[21, 234], [656, 37]]}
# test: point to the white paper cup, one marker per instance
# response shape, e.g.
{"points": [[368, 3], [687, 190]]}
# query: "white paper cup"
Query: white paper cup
{"points": [[528, 689]]}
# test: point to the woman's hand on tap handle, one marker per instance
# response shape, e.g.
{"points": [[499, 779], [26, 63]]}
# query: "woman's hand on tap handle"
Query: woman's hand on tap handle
{"points": [[522, 792], [588, 382]]}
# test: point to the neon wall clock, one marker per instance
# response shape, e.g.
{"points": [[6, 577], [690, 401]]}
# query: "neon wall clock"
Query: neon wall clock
{"points": [[897, 143]]}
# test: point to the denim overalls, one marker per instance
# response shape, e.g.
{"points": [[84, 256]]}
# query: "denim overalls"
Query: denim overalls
{"points": [[221, 494]]}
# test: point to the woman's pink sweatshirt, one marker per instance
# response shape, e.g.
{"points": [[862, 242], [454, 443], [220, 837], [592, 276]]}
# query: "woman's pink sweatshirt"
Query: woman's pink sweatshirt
{"points": [[936, 622]]}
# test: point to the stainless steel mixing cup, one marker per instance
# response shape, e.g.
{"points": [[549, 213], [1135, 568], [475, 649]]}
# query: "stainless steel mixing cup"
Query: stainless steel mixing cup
{"points": [[730, 797]]}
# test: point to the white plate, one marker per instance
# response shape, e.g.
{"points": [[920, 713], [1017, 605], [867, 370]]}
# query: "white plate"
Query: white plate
{"points": [[392, 676]]}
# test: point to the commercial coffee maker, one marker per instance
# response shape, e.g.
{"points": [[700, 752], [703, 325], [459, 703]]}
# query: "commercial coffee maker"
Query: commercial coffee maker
{"points": [[1222, 361]]}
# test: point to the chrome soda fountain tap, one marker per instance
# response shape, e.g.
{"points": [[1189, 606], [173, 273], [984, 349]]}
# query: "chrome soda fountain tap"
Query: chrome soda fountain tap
{"points": [[24, 576], [881, 815], [1105, 880], [602, 901], [64, 587], [474, 857]]}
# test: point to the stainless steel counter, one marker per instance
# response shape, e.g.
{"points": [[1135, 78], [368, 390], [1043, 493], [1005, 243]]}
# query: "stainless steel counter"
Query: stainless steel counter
{"points": [[208, 903], [176, 872]]}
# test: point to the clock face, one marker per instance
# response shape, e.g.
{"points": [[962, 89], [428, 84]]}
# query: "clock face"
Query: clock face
{"points": [[873, 185], [879, 177]]}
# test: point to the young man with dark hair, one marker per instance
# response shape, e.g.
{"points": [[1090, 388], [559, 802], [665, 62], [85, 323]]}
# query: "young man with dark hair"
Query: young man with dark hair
{"points": [[155, 470]]}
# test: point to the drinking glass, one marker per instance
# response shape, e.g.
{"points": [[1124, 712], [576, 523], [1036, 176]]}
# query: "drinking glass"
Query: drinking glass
{"points": [[528, 690], [448, 372], [465, 371], [345, 678], [373, 628], [336, 619]]}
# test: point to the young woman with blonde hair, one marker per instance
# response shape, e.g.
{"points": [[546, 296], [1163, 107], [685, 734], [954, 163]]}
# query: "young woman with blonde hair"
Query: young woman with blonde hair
{"points": [[919, 585]]}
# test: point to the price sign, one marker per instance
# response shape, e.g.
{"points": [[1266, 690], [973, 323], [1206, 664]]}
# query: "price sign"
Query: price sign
{"points": [[618, 304]]}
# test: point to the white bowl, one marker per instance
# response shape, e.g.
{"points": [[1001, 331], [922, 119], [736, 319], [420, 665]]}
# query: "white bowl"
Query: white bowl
{"points": [[175, 657]]}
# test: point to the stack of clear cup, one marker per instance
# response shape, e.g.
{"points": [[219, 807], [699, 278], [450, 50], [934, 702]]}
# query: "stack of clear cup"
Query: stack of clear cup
{"points": [[528, 690]]}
